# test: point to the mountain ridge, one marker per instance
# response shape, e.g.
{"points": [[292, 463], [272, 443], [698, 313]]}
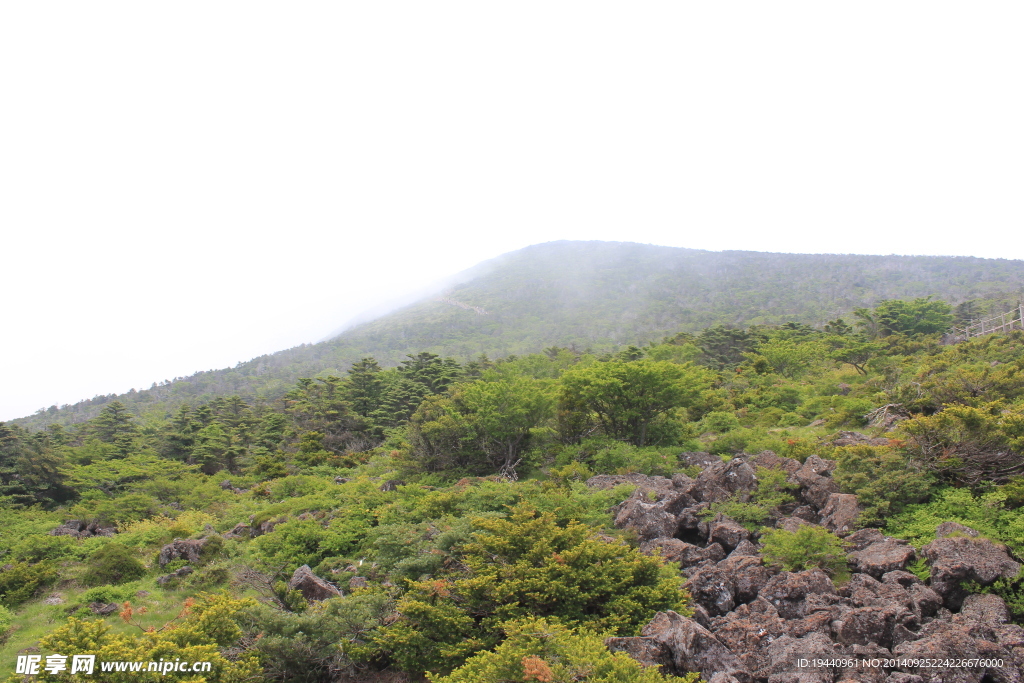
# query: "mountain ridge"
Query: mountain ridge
{"points": [[599, 295]]}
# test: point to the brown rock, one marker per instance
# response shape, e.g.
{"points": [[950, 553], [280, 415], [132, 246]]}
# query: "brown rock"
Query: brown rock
{"points": [[699, 459], [749, 576], [357, 582], [721, 480], [748, 630], [953, 529], [944, 640], [266, 526], [882, 557], [863, 625], [645, 650], [641, 481], [648, 519], [840, 513], [391, 485], [103, 609], [792, 524], [788, 590], [727, 532], [712, 588], [189, 550], [674, 550], [859, 540], [311, 585], [769, 460], [693, 647], [963, 558], [240, 530], [989, 609], [784, 654], [174, 576], [858, 439], [715, 552], [807, 513], [924, 600], [745, 547], [81, 529], [815, 485]]}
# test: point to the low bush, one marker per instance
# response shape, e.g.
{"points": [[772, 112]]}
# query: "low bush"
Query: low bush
{"points": [[537, 649], [21, 581], [809, 547], [113, 564], [885, 480], [521, 566]]}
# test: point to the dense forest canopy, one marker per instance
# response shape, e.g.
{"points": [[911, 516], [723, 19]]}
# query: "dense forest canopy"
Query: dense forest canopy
{"points": [[600, 296], [433, 516]]}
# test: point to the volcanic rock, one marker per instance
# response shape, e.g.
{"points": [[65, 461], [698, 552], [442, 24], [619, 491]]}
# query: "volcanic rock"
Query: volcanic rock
{"points": [[186, 549], [963, 558], [311, 585], [882, 557], [840, 513]]}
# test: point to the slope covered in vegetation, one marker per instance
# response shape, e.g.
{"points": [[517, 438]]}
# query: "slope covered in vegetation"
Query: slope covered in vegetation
{"points": [[592, 295], [447, 499]]}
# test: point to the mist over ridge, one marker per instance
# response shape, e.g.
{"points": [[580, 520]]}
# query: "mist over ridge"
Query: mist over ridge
{"points": [[589, 294]]}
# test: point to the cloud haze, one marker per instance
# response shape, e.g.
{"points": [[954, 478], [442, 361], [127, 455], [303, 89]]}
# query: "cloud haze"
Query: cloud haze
{"points": [[189, 185]]}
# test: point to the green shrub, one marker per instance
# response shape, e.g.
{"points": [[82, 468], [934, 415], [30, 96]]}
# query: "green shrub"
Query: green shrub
{"points": [[986, 513], [6, 621], [538, 649], [809, 547], [886, 481], [792, 420], [22, 580], [521, 566], [720, 422], [319, 643], [208, 578], [107, 594], [37, 548], [113, 563]]}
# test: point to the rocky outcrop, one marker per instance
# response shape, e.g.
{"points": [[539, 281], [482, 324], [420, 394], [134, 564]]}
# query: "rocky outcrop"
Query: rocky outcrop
{"points": [[840, 513], [882, 557], [240, 530], [681, 645], [955, 559], [81, 529], [103, 609], [752, 623], [175, 576], [313, 588], [188, 549], [266, 526]]}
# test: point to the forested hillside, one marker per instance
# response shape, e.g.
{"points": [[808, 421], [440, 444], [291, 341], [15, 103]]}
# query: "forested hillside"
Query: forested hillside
{"points": [[854, 484], [592, 295]]}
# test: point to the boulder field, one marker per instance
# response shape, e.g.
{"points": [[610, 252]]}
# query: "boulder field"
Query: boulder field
{"points": [[753, 623]]}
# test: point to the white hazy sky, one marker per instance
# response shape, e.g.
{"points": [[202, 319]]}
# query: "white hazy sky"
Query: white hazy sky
{"points": [[187, 185]]}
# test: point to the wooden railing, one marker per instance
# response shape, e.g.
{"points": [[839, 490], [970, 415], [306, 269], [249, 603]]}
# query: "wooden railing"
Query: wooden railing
{"points": [[1007, 322]]}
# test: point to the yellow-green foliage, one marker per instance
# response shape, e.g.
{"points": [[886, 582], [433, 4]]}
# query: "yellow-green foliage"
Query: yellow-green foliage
{"points": [[542, 650], [521, 566], [162, 529], [809, 547], [208, 624], [885, 480]]}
